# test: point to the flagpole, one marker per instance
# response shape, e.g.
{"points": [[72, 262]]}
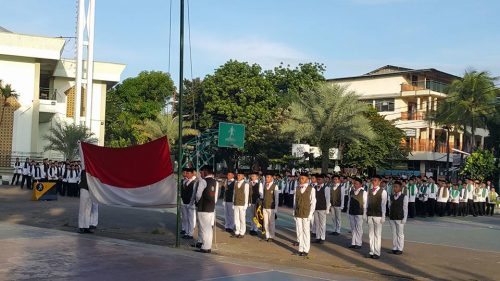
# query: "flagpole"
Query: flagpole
{"points": [[179, 115]]}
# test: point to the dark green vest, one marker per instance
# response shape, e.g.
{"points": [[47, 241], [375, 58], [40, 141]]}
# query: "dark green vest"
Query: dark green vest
{"points": [[356, 203], [206, 204], [228, 193], [374, 208], [336, 196], [269, 197], [239, 194], [320, 198], [396, 210], [303, 202]]}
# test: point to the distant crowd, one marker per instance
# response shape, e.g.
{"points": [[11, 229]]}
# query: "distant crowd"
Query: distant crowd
{"points": [[66, 174]]}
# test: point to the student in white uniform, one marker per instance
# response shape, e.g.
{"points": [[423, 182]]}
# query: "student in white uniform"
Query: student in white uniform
{"points": [[240, 200], [18, 171], [398, 213], [314, 183], [270, 198], [432, 195], [188, 208], [337, 204], [206, 198], [454, 201], [443, 195], [356, 208], [412, 192], [26, 174], [470, 198], [492, 201], [483, 194], [254, 195], [228, 202], [375, 211], [303, 210], [322, 208], [88, 212]]}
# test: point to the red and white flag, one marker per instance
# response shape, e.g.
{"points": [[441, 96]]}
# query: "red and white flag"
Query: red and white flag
{"points": [[139, 175]]}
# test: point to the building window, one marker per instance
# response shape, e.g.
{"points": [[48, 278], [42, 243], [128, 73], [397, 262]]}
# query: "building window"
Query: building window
{"points": [[384, 105]]}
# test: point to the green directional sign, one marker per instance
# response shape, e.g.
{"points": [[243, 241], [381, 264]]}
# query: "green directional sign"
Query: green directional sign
{"points": [[231, 135]]}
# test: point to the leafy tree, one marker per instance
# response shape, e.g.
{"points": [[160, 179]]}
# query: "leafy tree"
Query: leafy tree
{"points": [[8, 98], [132, 101], [192, 101], [164, 125], [64, 138], [238, 92], [469, 103], [378, 152], [328, 116], [480, 165]]}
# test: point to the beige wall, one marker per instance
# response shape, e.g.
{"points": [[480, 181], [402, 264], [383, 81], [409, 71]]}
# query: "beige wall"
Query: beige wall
{"points": [[375, 86]]}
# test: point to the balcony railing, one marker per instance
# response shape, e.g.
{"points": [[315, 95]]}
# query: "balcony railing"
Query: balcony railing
{"points": [[429, 146], [47, 93], [424, 85], [405, 116]]}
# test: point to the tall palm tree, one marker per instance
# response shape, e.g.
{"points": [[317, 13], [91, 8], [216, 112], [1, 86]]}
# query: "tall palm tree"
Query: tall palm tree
{"points": [[64, 138], [164, 125], [470, 102], [8, 98], [328, 116]]}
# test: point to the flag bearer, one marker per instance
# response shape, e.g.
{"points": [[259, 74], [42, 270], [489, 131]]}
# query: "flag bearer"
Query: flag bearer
{"points": [[356, 208], [254, 195], [303, 209], [398, 213], [270, 196], [228, 202], [322, 208], [376, 208], [240, 199], [337, 204], [87, 214], [188, 208], [206, 198]]}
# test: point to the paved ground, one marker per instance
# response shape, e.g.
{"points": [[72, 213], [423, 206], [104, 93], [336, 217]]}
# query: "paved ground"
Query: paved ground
{"points": [[436, 249]]}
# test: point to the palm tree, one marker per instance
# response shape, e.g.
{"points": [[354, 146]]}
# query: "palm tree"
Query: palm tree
{"points": [[64, 138], [329, 115], [164, 125], [469, 103], [8, 97]]}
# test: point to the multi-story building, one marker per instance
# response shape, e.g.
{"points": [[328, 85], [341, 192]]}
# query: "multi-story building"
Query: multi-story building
{"points": [[45, 84], [407, 96]]}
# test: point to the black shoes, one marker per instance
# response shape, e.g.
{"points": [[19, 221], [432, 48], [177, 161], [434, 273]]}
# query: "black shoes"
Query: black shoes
{"points": [[84, 230], [187, 237], [197, 245], [375, 257], [398, 252], [319, 241], [253, 233], [335, 233], [183, 232], [229, 230], [92, 227], [205, 251], [295, 243], [303, 254], [269, 239]]}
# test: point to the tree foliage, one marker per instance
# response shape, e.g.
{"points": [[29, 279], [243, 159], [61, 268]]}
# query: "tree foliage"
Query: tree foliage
{"points": [[380, 151], [469, 103], [8, 98], [328, 116], [163, 125], [132, 101], [64, 138], [480, 165]]}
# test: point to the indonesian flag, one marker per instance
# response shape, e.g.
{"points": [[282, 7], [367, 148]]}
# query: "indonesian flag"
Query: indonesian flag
{"points": [[139, 175]]}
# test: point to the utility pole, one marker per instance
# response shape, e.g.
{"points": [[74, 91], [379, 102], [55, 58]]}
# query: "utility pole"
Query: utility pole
{"points": [[179, 115]]}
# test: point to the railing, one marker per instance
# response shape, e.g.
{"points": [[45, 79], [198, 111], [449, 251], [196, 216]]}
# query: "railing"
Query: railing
{"points": [[424, 85], [429, 146], [419, 115], [48, 94]]}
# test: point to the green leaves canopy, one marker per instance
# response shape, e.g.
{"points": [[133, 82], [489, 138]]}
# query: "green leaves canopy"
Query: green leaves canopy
{"points": [[64, 138], [479, 165]]}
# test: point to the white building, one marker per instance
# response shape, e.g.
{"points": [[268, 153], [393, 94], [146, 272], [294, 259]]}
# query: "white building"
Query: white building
{"points": [[45, 83], [406, 96]]}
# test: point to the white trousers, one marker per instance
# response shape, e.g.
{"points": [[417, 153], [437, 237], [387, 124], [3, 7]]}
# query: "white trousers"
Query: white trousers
{"points": [[320, 224], [269, 222], [336, 218], [205, 230], [228, 215], [94, 214], [87, 213], [356, 229], [398, 236], [188, 215], [375, 234], [303, 236], [240, 224], [253, 226], [313, 224]]}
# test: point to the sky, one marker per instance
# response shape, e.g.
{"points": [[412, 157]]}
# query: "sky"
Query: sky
{"points": [[351, 37]]}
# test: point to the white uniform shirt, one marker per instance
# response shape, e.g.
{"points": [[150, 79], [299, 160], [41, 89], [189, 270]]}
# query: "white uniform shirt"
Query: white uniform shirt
{"points": [[384, 199], [441, 196], [365, 200], [412, 192], [18, 168], [455, 196], [405, 204], [432, 190]]}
